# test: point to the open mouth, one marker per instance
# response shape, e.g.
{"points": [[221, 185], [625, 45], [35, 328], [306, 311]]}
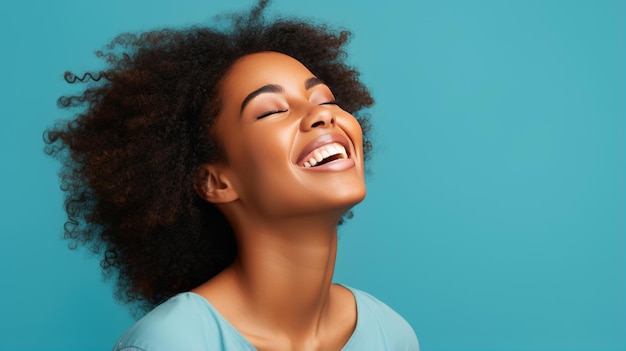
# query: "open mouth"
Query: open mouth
{"points": [[327, 149], [325, 154]]}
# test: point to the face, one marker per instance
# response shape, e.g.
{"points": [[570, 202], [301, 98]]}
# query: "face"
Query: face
{"points": [[289, 149]]}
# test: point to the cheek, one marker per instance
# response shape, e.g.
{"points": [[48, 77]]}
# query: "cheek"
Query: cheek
{"points": [[263, 151], [355, 131], [266, 178], [278, 142]]}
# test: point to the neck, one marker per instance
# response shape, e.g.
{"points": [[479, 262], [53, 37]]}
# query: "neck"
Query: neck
{"points": [[285, 272], [279, 286]]}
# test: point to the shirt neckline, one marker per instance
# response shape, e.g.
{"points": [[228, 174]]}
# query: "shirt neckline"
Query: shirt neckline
{"points": [[245, 341]]}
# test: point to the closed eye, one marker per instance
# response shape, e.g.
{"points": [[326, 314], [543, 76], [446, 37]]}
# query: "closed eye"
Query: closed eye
{"points": [[329, 103], [269, 113]]}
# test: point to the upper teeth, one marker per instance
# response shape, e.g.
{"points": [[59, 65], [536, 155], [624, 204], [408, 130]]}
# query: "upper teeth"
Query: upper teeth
{"points": [[325, 151]]}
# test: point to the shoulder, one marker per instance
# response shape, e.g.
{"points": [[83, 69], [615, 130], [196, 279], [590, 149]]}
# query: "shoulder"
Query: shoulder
{"points": [[380, 324], [184, 322]]}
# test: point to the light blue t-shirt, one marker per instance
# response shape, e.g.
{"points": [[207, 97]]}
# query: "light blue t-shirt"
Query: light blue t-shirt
{"points": [[188, 322]]}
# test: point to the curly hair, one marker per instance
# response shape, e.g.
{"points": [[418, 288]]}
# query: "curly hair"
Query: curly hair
{"points": [[131, 154]]}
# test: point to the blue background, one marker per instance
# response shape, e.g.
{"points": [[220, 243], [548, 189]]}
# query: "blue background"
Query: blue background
{"points": [[495, 216]]}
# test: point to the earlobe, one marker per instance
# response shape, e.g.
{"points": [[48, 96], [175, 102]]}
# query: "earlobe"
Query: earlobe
{"points": [[214, 186]]}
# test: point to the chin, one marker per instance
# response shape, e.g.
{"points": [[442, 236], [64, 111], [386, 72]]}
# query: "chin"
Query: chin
{"points": [[349, 197]]}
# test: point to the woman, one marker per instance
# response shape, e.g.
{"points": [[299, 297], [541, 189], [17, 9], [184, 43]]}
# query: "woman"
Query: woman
{"points": [[213, 168]]}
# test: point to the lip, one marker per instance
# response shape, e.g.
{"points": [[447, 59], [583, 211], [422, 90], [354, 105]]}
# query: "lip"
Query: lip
{"points": [[324, 140]]}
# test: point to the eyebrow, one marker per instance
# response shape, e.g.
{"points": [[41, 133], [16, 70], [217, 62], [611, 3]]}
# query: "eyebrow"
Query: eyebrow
{"points": [[274, 88], [311, 82]]}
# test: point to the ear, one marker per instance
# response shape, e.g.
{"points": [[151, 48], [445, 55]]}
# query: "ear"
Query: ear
{"points": [[214, 185]]}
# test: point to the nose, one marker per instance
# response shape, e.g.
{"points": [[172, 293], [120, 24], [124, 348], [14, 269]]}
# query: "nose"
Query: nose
{"points": [[318, 117]]}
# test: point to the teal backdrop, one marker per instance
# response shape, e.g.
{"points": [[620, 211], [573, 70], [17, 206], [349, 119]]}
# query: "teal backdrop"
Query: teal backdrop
{"points": [[495, 215]]}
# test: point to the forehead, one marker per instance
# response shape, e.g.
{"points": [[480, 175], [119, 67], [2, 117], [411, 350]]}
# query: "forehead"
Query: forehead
{"points": [[256, 70]]}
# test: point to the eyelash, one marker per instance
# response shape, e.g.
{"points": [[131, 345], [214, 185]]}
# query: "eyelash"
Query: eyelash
{"points": [[270, 113], [281, 111]]}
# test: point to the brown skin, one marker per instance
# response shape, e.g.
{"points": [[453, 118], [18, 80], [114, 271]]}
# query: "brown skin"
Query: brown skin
{"points": [[143, 126], [278, 292]]}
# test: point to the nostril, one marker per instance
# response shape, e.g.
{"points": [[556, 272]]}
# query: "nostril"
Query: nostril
{"points": [[317, 124]]}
